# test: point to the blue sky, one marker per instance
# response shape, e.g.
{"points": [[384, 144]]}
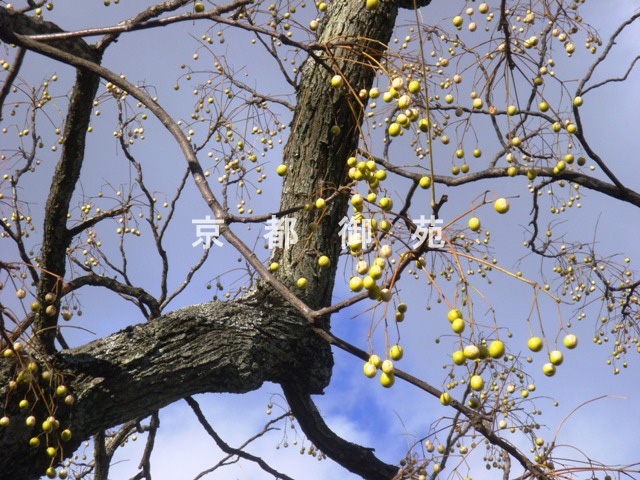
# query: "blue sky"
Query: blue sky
{"points": [[355, 407]]}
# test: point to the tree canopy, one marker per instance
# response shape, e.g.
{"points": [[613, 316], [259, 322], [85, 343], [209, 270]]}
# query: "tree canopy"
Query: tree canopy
{"points": [[239, 190]]}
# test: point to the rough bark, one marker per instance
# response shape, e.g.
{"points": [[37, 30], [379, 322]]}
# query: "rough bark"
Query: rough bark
{"points": [[55, 237], [214, 347], [316, 159]]}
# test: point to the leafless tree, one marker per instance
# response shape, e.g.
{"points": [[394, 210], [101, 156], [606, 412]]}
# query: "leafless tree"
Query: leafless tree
{"points": [[339, 149]]}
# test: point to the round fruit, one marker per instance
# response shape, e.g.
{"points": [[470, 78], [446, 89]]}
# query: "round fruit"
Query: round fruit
{"points": [[370, 369], [396, 352], [387, 367], [549, 369], [198, 7], [425, 182], [65, 435], [445, 399], [337, 81], [556, 357], [544, 106], [394, 129], [324, 261], [458, 325], [484, 352], [570, 341], [496, 349], [414, 86], [577, 101], [471, 352], [459, 358], [281, 170], [369, 282], [34, 442], [386, 295], [320, 203], [302, 282], [474, 224], [453, 314], [477, 103], [373, 4], [535, 344], [501, 205], [476, 382], [457, 21], [375, 360], [47, 426], [423, 125], [386, 203], [51, 472], [375, 272], [274, 266], [511, 110], [387, 380]]}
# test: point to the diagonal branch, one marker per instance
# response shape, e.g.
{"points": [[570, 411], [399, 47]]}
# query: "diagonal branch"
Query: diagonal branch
{"points": [[615, 79], [226, 448], [79, 228], [13, 73], [185, 146], [355, 458]]}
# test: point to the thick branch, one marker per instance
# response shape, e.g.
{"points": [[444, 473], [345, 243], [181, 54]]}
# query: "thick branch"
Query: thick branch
{"points": [[214, 347], [355, 458]]}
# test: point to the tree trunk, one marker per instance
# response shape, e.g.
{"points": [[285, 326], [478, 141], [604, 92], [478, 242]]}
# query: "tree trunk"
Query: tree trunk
{"points": [[316, 158]]}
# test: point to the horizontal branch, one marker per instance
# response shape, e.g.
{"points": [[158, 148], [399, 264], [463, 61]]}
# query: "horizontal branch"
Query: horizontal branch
{"points": [[90, 222], [624, 194], [115, 286], [231, 347], [132, 27]]}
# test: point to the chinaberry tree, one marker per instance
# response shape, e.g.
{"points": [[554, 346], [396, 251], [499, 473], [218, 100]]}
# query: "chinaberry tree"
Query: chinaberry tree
{"points": [[368, 128]]}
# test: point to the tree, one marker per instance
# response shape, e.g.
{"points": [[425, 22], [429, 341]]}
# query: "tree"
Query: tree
{"points": [[277, 328]]}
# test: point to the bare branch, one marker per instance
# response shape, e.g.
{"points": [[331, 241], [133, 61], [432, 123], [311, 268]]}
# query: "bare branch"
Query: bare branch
{"points": [[226, 448], [115, 286], [611, 80], [13, 73]]}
